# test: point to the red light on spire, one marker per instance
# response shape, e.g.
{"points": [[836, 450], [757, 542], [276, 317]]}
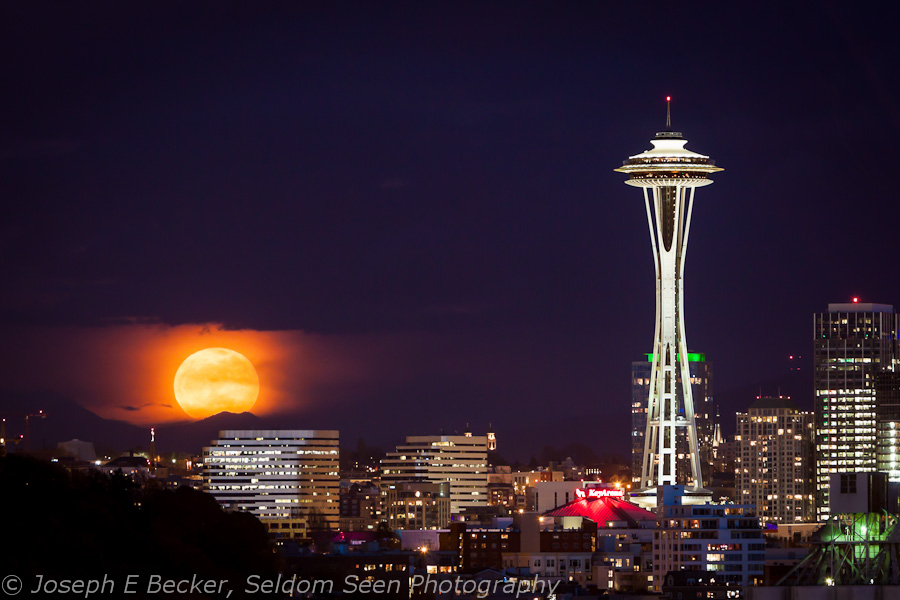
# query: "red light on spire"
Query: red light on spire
{"points": [[855, 300], [668, 98]]}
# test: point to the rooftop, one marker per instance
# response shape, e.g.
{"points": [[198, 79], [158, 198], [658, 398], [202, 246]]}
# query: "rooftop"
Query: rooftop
{"points": [[771, 402], [857, 307], [603, 510]]}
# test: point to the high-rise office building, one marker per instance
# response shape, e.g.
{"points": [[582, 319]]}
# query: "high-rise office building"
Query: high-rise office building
{"points": [[854, 342], [887, 417], [774, 462], [287, 478], [669, 174], [460, 460], [704, 414]]}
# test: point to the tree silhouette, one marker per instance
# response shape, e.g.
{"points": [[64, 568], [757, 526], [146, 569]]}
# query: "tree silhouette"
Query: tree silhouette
{"points": [[85, 525]]}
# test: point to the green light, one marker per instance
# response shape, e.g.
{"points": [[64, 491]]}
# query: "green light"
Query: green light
{"points": [[692, 357]]}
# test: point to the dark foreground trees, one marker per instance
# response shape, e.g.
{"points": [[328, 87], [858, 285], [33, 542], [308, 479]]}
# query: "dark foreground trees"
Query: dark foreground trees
{"points": [[80, 525]]}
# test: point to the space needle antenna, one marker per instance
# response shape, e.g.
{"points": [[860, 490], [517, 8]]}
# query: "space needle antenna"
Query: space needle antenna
{"points": [[668, 113]]}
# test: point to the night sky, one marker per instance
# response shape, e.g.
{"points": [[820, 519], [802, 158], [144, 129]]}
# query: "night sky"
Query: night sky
{"points": [[406, 215]]}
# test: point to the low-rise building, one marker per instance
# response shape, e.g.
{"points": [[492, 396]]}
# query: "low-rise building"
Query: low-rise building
{"points": [[416, 505], [360, 506], [723, 538], [624, 537], [480, 548], [135, 467]]}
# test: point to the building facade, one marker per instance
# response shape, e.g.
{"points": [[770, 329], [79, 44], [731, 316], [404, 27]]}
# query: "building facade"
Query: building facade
{"points": [[854, 342], [774, 462], [287, 478], [887, 437], [460, 460], [551, 494], [723, 538], [705, 414], [360, 506], [417, 505]]}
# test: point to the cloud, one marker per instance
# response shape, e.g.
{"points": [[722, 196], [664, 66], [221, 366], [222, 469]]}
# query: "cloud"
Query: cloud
{"points": [[380, 385], [143, 406], [126, 370]]}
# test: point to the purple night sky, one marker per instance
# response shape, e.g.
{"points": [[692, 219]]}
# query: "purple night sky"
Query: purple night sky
{"points": [[406, 214]]}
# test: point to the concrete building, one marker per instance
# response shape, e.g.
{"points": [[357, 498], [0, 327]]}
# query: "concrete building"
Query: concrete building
{"points": [[550, 494], [479, 547], [460, 460], [360, 506], [624, 533], [417, 505], [598, 539], [887, 417], [287, 478], [854, 342], [723, 538], [705, 414], [552, 548], [774, 462], [500, 486]]}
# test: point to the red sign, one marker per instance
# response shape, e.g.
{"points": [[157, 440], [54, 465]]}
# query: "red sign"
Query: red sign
{"points": [[598, 493]]}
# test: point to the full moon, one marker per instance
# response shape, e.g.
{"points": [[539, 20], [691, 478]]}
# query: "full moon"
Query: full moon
{"points": [[214, 380]]}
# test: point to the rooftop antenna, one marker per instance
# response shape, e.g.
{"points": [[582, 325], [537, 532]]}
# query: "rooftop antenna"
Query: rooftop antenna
{"points": [[668, 113], [153, 448]]}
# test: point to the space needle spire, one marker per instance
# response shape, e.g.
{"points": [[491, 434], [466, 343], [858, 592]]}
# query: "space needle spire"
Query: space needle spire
{"points": [[669, 174]]}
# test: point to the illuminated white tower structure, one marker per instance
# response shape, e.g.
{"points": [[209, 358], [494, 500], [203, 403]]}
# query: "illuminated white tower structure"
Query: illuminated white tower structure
{"points": [[668, 175]]}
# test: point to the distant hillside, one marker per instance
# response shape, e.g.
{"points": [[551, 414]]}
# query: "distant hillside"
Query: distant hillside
{"points": [[68, 420], [192, 436]]}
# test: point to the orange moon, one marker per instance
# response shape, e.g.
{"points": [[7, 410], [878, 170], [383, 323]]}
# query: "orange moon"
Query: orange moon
{"points": [[214, 380]]}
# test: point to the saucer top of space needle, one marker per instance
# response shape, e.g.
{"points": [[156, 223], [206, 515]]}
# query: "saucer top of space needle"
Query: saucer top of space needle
{"points": [[668, 163]]}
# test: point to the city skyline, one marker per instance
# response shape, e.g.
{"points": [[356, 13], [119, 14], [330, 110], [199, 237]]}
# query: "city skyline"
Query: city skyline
{"points": [[412, 209]]}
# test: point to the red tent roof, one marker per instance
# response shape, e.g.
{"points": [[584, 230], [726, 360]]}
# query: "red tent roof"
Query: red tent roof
{"points": [[603, 510]]}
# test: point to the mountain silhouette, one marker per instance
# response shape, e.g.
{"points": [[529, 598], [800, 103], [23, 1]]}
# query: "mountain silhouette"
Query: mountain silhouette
{"points": [[67, 420]]}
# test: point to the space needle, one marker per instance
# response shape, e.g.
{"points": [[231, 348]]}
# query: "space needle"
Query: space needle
{"points": [[668, 174]]}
